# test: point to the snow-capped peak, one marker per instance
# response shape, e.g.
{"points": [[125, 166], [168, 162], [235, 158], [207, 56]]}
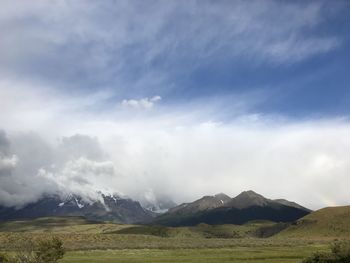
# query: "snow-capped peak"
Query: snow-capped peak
{"points": [[78, 204]]}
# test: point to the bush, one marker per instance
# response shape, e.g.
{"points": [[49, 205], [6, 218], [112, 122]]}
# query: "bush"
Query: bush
{"points": [[44, 251], [49, 251], [4, 258], [340, 253]]}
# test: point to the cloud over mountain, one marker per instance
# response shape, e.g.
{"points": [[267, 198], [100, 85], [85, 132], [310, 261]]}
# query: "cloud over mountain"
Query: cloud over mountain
{"points": [[183, 161], [74, 165]]}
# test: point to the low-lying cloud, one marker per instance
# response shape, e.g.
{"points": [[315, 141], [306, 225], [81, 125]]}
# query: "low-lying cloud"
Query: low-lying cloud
{"points": [[306, 162], [72, 165], [180, 151]]}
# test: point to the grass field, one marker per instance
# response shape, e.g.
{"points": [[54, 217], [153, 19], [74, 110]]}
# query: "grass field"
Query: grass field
{"points": [[238, 254], [88, 241]]}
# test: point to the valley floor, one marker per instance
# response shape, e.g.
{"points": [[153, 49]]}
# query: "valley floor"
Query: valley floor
{"points": [[222, 255], [91, 242]]}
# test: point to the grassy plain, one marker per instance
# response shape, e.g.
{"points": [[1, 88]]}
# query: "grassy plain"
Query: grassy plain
{"points": [[219, 255], [88, 241]]}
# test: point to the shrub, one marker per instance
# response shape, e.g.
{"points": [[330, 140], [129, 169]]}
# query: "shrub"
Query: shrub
{"points": [[340, 253], [49, 251], [4, 258], [25, 254]]}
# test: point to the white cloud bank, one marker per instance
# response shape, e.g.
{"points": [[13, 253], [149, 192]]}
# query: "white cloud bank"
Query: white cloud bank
{"points": [[169, 152]]}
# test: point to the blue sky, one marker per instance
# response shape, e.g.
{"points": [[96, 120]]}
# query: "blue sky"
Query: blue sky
{"points": [[294, 52], [238, 85]]}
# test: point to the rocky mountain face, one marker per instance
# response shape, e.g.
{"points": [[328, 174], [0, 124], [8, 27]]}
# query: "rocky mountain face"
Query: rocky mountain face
{"points": [[217, 209], [205, 203], [247, 199], [221, 209], [106, 208]]}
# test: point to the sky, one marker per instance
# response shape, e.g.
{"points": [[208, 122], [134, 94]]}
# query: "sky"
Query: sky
{"points": [[175, 99]]}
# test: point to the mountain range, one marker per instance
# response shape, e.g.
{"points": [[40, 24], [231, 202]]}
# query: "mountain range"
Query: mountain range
{"points": [[217, 209], [108, 208], [221, 209]]}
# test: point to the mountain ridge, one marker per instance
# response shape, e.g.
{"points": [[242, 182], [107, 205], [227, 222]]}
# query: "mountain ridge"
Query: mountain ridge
{"points": [[215, 209], [246, 206], [107, 207], [204, 203]]}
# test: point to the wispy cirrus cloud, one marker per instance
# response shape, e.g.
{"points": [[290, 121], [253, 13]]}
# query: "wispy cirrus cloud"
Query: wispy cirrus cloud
{"points": [[90, 45]]}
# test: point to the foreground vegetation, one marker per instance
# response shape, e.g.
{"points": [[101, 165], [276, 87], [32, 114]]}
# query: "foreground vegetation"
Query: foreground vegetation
{"points": [[80, 234], [218, 255], [88, 241], [340, 253], [14, 241], [44, 251]]}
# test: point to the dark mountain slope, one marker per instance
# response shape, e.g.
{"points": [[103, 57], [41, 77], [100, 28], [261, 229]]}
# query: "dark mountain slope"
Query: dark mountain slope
{"points": [[247, 206], [248, 199], [203, 204], [110, 207]]}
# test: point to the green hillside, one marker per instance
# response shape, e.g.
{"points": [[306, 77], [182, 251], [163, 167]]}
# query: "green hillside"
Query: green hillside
{"points": [[200, 231], [68, 224], [250, 229], [330, 222], [81, 225]]}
